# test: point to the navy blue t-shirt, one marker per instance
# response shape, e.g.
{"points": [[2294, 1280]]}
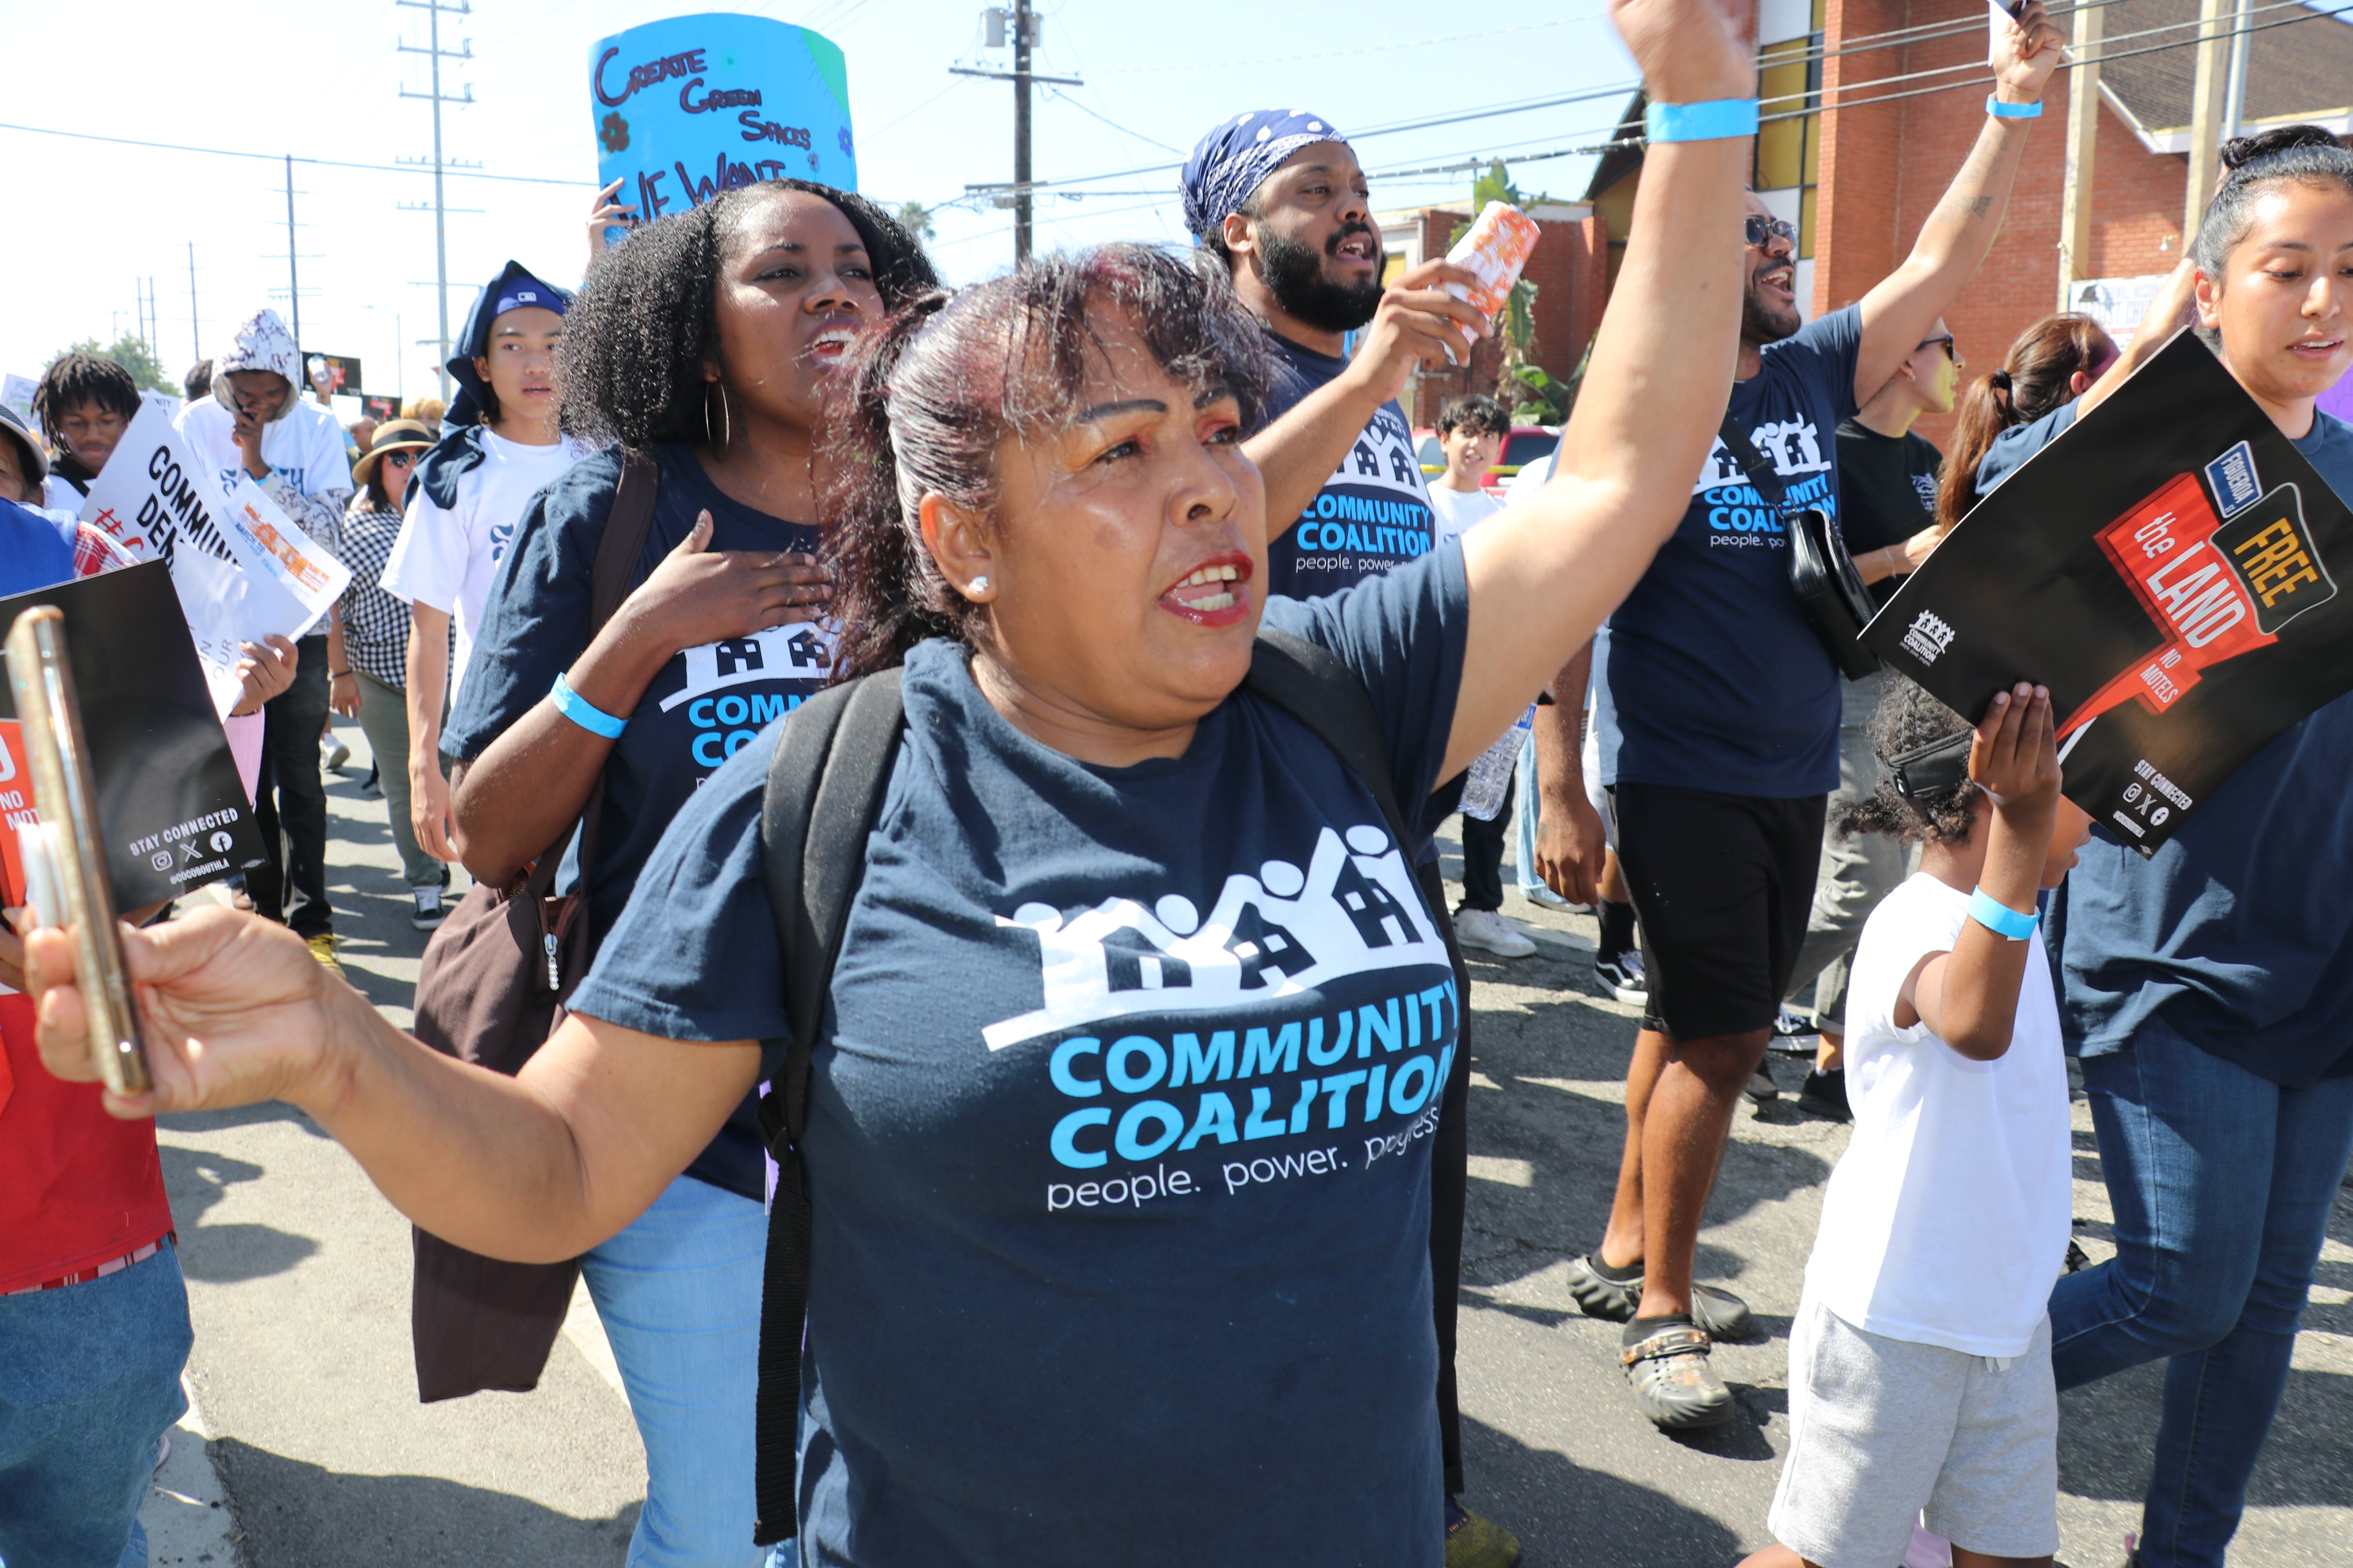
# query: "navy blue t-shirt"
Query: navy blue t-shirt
{"points": [[1372, 515], [706, 704], [2019, 442], [1711, 675], [2237, 934], [1118, 1137]]}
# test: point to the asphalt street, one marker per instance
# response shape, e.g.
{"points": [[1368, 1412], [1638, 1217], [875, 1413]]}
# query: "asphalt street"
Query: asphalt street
{"points": [[308, 1448]]}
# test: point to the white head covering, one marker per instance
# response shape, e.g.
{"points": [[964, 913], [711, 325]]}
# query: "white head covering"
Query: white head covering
{"points": [[262, 343]]}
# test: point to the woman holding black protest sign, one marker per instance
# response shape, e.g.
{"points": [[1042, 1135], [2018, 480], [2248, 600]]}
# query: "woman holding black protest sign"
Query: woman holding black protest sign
{"points": [[2208, 988], [1021, 1355]]}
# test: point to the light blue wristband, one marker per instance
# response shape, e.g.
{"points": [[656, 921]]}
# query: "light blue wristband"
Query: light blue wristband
{"points": [[1999, 918], [582, 712], [2002, 111], [1710, 121]]}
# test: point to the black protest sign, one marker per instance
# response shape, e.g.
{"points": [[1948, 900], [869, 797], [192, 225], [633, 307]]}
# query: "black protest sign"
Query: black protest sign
{"points": [[174, 811], [2169, 567]]}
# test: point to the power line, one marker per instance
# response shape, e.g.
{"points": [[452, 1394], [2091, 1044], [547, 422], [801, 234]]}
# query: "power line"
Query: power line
{"points": [[274, 157], [1334, 54], [1107, 120]]}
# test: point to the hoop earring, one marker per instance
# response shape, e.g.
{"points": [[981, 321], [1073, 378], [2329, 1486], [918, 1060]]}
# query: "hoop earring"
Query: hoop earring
{"points": [[726, 421]]}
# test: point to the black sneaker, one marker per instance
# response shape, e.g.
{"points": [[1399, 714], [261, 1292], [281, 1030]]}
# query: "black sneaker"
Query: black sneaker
{"points": [[1761, 1086], [1824, 1094], [1622, 973]]}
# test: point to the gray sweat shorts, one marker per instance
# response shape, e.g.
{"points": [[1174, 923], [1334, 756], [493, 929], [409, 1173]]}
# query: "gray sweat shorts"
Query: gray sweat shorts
{"points": [[1882, 1430]]}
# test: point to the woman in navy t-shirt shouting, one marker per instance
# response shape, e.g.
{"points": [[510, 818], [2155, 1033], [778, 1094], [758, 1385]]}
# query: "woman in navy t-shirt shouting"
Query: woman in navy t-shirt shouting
{"points": [[1117, 1139]]}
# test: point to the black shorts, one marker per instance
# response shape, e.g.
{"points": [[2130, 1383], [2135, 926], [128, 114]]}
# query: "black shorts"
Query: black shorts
{"points": [[1722, 885]]}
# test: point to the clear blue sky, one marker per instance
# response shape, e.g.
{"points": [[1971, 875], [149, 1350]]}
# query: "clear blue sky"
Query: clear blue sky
{"points": [[322, 80]]}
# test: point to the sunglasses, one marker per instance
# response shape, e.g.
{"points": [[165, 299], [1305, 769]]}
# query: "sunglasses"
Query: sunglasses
{"points": [[1761, 229], [404, 459], [1952, 352]]}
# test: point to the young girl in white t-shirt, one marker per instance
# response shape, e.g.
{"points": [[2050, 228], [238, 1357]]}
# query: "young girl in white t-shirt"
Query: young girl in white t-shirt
{"points": [[1920, 1357]]}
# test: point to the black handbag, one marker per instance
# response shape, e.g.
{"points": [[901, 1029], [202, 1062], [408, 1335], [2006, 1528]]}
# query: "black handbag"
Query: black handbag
{"points": [[1822, 573]]}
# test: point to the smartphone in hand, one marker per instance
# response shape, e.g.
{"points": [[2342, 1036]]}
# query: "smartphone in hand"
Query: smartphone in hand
{"points": [[64, 852]]}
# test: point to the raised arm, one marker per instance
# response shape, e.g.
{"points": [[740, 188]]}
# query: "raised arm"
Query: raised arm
{"points": [[1545, 572], [1897, 312], [535, 1168], [1968, 997], [1415, 326]]}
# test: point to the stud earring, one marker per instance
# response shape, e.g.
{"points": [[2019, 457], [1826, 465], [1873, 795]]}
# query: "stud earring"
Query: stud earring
{"points": [[979, 584]]}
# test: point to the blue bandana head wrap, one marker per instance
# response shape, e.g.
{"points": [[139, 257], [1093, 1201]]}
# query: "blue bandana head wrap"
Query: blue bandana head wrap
{"points": [[1236, 155]]}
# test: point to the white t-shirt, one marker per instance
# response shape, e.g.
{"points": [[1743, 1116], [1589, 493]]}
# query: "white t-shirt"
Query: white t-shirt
{"points": [[1947, 1220], [446, 560], [1530, 477], [1459, 511], [306, 445]]}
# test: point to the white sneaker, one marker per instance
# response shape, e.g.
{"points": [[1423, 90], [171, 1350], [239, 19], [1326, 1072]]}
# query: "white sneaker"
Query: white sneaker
{"points": [[1545, 898], [429, 913], [1487, 930], [334, 753]]}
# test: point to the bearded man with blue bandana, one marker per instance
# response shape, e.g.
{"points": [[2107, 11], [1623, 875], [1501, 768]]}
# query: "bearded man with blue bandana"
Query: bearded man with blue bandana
{"points": [[1278, 196]]}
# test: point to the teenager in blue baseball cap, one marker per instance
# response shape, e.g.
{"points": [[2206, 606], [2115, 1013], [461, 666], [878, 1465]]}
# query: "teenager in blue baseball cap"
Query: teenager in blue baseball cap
{"points": [[504, 443]]}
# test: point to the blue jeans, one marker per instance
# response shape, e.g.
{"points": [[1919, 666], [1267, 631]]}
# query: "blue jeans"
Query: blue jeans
{"points": [[89, 1382], [679, 1293], [2222, 1183]]}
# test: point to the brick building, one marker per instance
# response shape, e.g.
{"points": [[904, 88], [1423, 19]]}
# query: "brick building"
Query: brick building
{"points": [[1859, 180]]}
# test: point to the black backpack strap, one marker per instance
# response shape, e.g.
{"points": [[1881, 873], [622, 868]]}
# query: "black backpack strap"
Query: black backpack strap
{"points": [[1762, 477], [825, 789], [1310, 684]]}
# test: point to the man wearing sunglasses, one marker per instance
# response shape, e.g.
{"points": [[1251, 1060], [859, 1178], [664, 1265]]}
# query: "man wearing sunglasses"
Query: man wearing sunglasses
{"points": [[368, 664], [1718, 710]]}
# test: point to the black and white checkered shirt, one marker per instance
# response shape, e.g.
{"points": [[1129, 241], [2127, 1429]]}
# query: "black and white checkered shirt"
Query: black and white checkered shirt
{"points": [[375, 624]]}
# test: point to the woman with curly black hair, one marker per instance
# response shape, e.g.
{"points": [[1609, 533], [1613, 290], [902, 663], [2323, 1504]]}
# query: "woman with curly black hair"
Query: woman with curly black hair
{"points": [[701, 349]]}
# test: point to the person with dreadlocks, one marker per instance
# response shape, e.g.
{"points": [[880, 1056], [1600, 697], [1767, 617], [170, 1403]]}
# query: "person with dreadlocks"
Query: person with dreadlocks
{"points": [[1920, 1355], [84, 403], [701, 348]]}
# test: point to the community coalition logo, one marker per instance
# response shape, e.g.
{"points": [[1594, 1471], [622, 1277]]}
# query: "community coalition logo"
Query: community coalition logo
{"points": [[723, 719], [1294, 1010], [2219, 577], [1375, 503], [1739, 518]]}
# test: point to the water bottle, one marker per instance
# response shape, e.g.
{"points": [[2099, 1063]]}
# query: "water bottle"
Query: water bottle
{"points": [[1490, 778]]}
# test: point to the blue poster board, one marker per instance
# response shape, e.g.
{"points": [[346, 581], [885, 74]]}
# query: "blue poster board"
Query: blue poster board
{"points": [[691, 106]]}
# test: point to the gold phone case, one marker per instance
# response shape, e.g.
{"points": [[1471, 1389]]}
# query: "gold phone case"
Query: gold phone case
{"points": [[65, 854]]}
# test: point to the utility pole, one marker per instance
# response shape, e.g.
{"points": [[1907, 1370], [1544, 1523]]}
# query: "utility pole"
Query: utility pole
{"points": [[196, 332], [2083, 136], [2235, 111], [1023, 21], [2206, 95], [1027, 27], [293, 278], [436, 54]]}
